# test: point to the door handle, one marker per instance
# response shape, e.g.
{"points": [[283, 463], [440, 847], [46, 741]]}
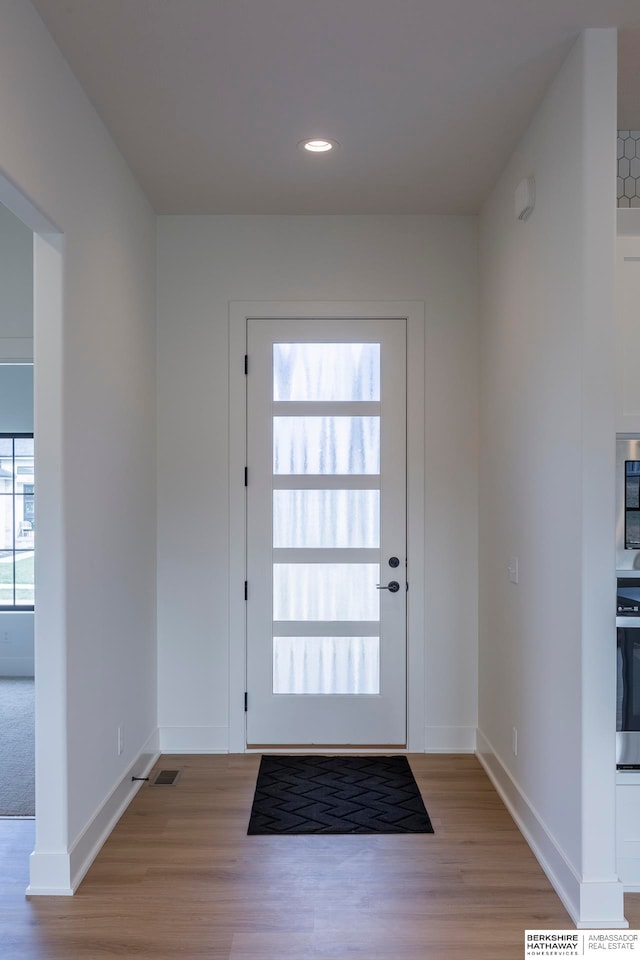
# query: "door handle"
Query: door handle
{"points": [[393, 586]]}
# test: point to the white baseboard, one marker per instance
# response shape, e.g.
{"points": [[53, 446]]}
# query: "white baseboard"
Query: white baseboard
{"points": [[17, 667], [60, 873], [590, 905], [50, 874], [16, 349], [450, 740], [215, 739], [206, 739]]}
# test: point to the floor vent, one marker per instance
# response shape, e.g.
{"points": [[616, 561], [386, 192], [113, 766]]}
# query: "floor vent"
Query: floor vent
{"points": [[166, 778]]}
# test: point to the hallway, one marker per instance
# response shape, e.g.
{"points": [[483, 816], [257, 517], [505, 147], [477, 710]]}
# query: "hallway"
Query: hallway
{"points": [[179, 878]]}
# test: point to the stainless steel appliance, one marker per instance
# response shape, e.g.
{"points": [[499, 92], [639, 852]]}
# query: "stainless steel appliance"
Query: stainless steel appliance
{"points": [[628, 504], [628, 693]]}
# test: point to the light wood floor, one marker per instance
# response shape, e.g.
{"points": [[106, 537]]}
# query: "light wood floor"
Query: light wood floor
{"points": [[179, 878]]}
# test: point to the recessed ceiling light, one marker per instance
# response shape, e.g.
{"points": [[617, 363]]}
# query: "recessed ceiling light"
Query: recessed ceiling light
{"points": [[317, 145]]}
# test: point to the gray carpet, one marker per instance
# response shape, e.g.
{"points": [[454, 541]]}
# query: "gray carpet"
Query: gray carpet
{"points": [[17, 737]]}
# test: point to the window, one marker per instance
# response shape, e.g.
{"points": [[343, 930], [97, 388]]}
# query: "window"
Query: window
{"points": [[17, 521]]}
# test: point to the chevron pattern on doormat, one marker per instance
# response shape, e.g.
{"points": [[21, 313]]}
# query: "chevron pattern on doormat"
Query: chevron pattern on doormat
{"points": [[344, 794]]}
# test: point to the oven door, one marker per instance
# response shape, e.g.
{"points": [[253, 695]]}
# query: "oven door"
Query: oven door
{"points": [[628, 694]]}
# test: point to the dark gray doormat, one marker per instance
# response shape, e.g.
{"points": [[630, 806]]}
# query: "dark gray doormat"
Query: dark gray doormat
{"points": [[343, 794]]}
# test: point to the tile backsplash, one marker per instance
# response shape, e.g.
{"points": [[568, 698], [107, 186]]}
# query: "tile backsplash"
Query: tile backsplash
{"points": [[629, 168]]}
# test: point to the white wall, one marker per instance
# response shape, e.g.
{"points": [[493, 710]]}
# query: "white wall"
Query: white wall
{"points": [[547, 644], [205, 262], [95, 423], [16, 280], [627, 317], [16, 398]]}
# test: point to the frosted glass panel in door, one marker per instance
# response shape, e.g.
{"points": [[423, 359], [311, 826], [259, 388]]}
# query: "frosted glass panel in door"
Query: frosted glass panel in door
{"points": [[326, 445], [326, 371], [326, 518], [329, 665], [326, 498], [326, 591]]}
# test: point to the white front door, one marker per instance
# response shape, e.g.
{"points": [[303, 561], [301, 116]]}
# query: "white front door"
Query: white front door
{"points": [[326, 540]]}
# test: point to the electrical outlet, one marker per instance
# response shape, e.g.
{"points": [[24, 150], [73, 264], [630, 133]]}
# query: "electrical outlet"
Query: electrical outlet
{"points": [[5, 637], [120, 739], [514, 741], [513, 570]]}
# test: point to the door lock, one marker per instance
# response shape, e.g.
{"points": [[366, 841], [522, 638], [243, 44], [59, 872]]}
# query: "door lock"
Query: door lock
{"points": [[393, 586]]}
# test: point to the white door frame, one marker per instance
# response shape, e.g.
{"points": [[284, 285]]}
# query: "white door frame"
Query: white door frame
{"points": [[49, 864], [414, 314]]}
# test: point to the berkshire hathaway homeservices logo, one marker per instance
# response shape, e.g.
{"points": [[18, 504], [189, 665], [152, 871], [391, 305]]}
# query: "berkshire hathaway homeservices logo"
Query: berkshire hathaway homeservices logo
{"points": [[553, 943], [577, 943]]}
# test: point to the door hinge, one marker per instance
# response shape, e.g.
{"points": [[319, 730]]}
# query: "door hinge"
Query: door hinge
{"points": [[246, 476], [246, 364], [246, 701], [246, 590]]}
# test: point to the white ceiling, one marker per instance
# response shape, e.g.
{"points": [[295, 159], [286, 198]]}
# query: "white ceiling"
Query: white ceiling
{"points": [[207, 99]]}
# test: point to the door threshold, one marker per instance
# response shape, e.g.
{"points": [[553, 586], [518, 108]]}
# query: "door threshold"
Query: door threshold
{"points": [[334, 747]]}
